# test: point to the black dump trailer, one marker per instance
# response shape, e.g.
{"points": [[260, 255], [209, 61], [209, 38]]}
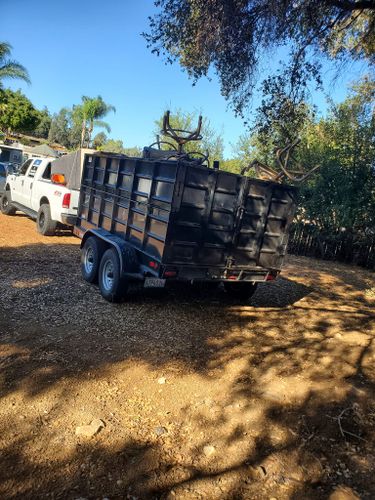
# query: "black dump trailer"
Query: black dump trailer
{"points": [[158, 221]]}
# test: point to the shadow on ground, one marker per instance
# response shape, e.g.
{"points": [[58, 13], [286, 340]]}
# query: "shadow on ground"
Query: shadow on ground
{"points": [[274, 398]]}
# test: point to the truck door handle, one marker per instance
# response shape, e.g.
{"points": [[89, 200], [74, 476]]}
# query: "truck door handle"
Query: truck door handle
{"points": [[31, 185], [22, 183]]}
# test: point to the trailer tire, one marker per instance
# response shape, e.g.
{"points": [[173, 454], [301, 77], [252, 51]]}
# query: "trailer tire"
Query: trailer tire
{"points": [[45, 225], [113, 286], [242, 290], [6, 204], [91, 254]]}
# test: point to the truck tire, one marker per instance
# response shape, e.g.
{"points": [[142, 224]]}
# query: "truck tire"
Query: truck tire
{"points": [[242, 290], [92, 252], [44, 223], [6, 204], [112, 285]]}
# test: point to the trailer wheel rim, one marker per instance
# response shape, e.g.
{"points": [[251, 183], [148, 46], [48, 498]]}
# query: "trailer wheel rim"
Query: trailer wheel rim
{"points": [[107, 276], [88, 260]]}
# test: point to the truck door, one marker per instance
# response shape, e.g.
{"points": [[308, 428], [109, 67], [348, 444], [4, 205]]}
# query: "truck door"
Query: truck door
{"points": [[28, 183], [40, 185], [19, 181]]}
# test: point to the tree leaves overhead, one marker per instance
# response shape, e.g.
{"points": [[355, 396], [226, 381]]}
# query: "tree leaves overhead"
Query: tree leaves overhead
{"points": [[10, 68], [236, 37]]}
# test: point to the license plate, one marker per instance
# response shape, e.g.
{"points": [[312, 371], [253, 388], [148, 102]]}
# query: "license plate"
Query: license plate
{"points": [[154, 283]]}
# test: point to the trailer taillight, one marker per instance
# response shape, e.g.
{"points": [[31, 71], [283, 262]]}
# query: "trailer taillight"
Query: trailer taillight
{"points": [[170, 274], [271, 276], [66, 200]]}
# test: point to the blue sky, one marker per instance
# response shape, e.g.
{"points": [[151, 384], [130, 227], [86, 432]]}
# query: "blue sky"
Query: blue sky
{"points": [[75, 48]]}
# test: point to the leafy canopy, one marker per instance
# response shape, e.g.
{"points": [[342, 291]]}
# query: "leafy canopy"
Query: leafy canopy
{"points": [[237, 37], [42, 129], [17, 113], [342, 193], [63, 130], [10, 68]]}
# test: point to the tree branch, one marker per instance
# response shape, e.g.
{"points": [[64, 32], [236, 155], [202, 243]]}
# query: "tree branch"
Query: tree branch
{"points": [[351, 6]]}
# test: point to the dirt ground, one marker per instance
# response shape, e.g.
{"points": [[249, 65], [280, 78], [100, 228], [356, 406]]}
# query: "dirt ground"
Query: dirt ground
{"points": [[193, 396]]}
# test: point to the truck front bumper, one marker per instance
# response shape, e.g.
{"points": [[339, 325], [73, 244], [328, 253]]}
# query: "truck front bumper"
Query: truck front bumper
{"points": [[68, 219]]}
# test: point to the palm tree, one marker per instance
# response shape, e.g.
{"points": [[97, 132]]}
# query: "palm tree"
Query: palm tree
{"points": [[10, 68], [89, 115]]}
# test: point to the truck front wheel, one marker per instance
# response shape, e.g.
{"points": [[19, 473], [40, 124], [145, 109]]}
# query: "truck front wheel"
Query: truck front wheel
{"points": [[92, 252], [243, 290], [6, 204], [44, 223], [111, 284]]}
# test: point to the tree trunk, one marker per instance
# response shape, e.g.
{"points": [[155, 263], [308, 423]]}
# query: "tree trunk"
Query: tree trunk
{"points": [[90, 129], [83, 133]]}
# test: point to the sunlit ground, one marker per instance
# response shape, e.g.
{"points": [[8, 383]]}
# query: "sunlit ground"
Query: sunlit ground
{"points": [[200, 397]]}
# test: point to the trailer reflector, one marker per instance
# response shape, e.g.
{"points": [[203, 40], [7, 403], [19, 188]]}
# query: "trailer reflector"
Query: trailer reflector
{"points": [[170, 274]]}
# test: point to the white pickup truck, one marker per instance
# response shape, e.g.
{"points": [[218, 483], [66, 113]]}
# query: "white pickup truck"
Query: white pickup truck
{"points": [[32, 191]]}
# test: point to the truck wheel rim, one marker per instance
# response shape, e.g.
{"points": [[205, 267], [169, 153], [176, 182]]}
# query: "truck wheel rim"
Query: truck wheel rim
{"points": [[107, 276], [89, 260], [41, 219], [5, 202]]}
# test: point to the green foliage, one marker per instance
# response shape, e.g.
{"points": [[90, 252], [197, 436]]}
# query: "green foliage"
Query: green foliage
{"points": [[133, 151], [99, 140], [89, 114], [42, 129], [117, 146], [237, 37], [233, 165], [283, 113], [17, 114], [112, 146], [10, 69], [63, 130], [212, 142], [354, 35], [342, 194]]}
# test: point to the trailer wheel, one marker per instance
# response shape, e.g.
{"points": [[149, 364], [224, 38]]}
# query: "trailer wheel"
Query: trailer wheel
{"points": [[242, 290], [6, 204], [92, 251], [44, 223], [111, 284]]}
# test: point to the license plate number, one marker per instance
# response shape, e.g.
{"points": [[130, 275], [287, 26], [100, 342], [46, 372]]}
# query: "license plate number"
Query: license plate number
{"points": [[154, 283]]}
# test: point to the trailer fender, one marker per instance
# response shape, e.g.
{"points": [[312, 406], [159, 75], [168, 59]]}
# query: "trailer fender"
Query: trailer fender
{"points": [[126, 253]]}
